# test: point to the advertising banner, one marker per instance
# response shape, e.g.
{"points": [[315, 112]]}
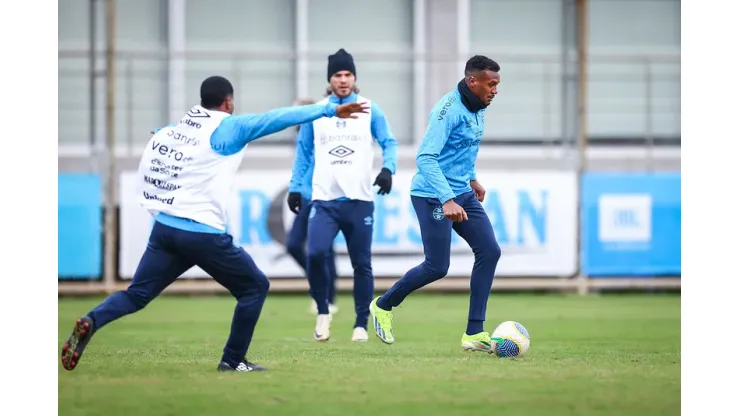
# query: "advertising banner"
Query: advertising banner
{"points": [[534, 217], [79, 237], [632, 224]]}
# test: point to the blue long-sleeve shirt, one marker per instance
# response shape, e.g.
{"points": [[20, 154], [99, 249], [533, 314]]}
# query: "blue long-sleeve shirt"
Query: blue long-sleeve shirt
{"points": [[446, 157], [235, 132], [302, 179]]}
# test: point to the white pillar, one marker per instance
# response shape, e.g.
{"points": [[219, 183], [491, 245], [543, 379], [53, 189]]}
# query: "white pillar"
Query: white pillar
{"points": [[176, 62], [463, 33], [420, 71], [301, 47]]}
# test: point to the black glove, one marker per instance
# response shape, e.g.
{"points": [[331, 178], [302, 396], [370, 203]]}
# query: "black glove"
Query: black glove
{"points": [[294, 202], [384, 181]]}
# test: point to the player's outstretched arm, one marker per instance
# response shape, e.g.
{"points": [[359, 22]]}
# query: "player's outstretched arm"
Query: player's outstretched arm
{"points": [[236, 131], [427, 158], [381, 130], [304, 157]]}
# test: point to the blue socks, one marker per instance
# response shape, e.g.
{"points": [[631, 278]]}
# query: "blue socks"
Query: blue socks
{"points": [[474, 327], [383, 304]]}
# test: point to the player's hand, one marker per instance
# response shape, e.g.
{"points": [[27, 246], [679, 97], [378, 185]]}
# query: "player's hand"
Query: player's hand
{"points": [[351, 110], [294, 202], [384, 181], [480, 191], [454, 212]]}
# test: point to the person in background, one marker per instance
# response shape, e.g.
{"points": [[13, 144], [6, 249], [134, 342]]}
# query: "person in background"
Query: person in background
{"points": [[300, 204], [340, 155]]}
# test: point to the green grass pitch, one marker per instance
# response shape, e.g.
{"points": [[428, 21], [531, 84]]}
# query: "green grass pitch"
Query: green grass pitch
{"points": [[592, 355]]}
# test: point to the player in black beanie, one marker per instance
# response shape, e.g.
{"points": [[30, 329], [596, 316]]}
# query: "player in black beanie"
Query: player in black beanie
{"points": [[340, 61], [341, 67], [336, 156]]}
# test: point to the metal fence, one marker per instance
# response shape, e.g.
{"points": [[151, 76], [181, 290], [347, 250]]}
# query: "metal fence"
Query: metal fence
{"points": [[630, 97]]}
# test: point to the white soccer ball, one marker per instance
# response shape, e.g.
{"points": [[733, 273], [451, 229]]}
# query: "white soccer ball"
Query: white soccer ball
{"points": [[510, 340]]}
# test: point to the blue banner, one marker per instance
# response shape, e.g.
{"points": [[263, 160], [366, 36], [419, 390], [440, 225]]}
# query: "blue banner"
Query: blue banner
{"points": [[80, 238], [631, 224]]}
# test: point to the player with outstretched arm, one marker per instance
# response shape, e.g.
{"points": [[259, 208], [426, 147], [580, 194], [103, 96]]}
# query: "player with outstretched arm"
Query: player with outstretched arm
{"points": [[446, 196], [185, 178]]}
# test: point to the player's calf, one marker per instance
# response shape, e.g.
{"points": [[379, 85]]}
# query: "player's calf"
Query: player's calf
{"points": [[76, 343]]}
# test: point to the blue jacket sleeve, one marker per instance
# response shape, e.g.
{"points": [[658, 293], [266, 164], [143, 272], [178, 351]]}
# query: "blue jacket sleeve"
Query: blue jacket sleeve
{"points": [[381, 130], [236, 131], [303, 157], [438, 131]]}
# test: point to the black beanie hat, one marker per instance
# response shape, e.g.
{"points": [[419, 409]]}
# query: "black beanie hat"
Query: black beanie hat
{"points": [[340, 61]]}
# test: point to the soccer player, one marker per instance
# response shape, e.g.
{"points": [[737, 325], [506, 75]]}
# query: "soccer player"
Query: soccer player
{"points": [[341, 154], [447, 196], [185, 178], [299, 203]]}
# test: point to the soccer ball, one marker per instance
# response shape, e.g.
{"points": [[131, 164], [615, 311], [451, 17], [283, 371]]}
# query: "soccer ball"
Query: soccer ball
{"points": [[509, 340]]}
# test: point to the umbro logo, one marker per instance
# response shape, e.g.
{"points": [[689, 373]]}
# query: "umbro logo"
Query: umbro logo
{"points": [[194, 112], [341, 151], [190, 123]]}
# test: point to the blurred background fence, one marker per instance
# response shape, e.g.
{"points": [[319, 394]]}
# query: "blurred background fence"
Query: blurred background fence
{"points": [[590, 89]]}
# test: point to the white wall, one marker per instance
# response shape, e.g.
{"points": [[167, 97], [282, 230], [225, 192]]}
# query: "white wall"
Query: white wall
{"points": [[621, 100]]}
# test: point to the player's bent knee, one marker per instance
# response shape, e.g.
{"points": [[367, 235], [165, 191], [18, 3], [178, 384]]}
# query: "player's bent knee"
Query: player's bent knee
{"points": [[318, 255], [266, 286], [294, 248], [489, 254], [496, 251], [253, 287], [364, 265], [437, 267], [263, 285]]}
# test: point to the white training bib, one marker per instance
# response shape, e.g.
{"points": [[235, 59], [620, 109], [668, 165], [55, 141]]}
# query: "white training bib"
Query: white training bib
{"points": [[343, 157], [181, 175]]}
